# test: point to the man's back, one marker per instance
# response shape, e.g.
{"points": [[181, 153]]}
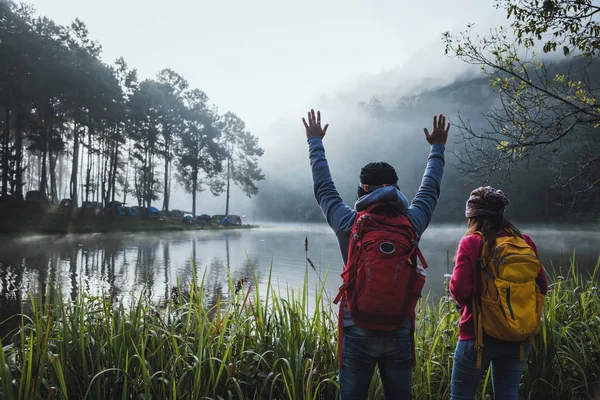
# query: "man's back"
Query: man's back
{"points": [[340, 216], [361, 349]]}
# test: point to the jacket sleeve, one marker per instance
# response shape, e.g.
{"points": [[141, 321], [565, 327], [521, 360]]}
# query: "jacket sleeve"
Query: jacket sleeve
{"points": [[339, 216], [423, 205], [462, 282], [542, 279]]}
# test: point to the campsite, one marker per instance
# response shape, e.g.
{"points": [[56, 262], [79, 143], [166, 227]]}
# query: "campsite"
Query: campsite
{"points": [[37, 215]]}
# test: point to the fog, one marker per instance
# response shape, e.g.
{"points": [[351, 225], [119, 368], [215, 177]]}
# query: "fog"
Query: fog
{"points": [[264, 59], [270, 63]]}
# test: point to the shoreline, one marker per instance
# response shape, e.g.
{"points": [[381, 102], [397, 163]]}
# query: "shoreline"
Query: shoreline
{"points": [[175, 229], [27, 221]]}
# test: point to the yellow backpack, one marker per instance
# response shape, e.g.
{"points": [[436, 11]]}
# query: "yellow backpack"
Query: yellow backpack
{"points": [[510, 306]]}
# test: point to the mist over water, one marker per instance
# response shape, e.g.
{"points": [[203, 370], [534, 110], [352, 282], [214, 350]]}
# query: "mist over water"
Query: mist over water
{"points": [[127, 264]]}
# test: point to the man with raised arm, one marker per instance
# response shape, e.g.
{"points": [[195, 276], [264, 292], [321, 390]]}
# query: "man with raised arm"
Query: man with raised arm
{"points": [[382, 279]]}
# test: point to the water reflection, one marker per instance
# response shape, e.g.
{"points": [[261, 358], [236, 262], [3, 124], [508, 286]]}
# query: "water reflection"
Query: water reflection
{"points": [[127, 264]]}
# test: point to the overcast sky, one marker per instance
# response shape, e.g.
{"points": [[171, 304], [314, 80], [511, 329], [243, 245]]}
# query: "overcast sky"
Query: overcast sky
{"points": [[264, 58], [270, 60]]}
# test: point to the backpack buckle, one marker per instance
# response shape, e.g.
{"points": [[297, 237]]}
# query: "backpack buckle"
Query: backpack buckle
{"points": [[341, 293]]}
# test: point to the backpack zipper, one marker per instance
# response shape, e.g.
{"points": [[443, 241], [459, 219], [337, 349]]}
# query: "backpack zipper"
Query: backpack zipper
{"points": [[508, 302], [499, 260], [396, 274]]}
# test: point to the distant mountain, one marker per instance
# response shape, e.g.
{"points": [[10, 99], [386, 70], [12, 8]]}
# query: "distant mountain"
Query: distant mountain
{"points": [[394, 132]]}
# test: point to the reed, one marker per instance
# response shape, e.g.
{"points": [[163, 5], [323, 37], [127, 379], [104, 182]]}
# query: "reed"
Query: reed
{"points": [[257, 343]]}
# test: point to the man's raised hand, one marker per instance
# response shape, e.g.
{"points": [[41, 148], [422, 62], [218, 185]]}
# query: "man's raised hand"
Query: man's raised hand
{"points": [[313, 128], [439, 135]]}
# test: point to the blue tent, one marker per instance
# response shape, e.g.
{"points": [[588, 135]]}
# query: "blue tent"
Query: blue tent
{"points": [[226, 221], [153, 212]]}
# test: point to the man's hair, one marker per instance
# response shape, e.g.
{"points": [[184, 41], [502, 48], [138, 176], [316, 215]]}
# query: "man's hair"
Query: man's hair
{"points": [[377, 174]]}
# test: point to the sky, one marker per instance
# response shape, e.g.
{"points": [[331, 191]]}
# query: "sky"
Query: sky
{"points": [[271, 60], [265, 57]]}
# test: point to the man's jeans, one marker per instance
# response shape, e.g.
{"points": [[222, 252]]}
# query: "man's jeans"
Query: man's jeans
{"points": [[506, 368], [391, 351]]}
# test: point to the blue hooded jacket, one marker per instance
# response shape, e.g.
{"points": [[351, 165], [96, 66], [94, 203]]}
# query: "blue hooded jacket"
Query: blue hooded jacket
{"points": [[340, 216]]}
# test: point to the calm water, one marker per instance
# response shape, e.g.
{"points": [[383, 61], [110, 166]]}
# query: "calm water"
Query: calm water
{"points": [[127, 263]]}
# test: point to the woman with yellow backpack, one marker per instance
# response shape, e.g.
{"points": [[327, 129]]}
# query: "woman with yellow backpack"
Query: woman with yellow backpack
{"points": [[499, 283]]}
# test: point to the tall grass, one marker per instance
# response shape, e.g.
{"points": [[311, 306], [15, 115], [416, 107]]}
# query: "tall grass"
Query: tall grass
{"points": [[255, 343]]}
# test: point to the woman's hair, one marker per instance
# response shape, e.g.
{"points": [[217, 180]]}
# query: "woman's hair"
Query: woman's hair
{"points": [[490, 226]]}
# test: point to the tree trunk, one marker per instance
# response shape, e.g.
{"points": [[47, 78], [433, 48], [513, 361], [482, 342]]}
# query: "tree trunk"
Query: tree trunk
{"points": [[39, 173], [169, 185], [89, 167], [145, 178], [81, 180], [44, 161], [31, 162], [60, 176], [151, 181], [6, 152], [48, 114], [228, 185], [148, 179], [44, 171], [165, 206], [106, 173], [136, 183], [194, 189], [99, 177], [166, 185], [53, 192], [18, 190], [126, 180], [115, 166]]}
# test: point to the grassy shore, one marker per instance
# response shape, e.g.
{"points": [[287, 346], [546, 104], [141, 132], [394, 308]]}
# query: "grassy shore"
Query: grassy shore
{"points": [[257, 343], [58, 220]]}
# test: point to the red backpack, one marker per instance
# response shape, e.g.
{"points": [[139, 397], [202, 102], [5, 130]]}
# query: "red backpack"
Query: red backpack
{"points": [[381, 280]]}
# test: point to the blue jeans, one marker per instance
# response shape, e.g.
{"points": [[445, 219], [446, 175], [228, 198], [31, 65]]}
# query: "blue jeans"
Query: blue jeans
{"points": [[362, 349], [506, 368]]}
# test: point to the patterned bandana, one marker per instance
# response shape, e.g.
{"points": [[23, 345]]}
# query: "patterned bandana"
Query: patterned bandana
{"points": [[486, 201]]}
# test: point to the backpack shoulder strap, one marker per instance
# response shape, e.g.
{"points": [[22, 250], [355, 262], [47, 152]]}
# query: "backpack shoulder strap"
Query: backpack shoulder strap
{"points": [[481, 262], [420, 256], [482, 242], [476, 304]]}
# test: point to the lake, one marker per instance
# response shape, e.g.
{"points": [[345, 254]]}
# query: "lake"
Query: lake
{"points": [[124, 264]]}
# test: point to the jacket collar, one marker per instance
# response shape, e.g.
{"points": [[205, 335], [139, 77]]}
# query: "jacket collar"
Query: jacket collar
{"points": [[388, 194]]}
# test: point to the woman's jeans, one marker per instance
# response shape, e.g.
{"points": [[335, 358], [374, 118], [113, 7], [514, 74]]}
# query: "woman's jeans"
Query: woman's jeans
{"points": [[507, 368], [391, 351]]}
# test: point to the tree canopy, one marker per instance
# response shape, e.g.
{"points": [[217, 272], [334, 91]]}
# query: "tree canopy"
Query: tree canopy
{"points": [[73, 126], [544, 68]]}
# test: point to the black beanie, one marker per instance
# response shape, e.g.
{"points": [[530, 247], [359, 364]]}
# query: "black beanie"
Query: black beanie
{"points": [[378, 173]]}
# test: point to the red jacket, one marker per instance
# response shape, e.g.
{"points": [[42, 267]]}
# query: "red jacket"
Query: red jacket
{"points": [[463, 284]]}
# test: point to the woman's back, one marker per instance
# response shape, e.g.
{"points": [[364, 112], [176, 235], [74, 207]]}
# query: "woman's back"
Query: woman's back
{"points": [[510, 262]]}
